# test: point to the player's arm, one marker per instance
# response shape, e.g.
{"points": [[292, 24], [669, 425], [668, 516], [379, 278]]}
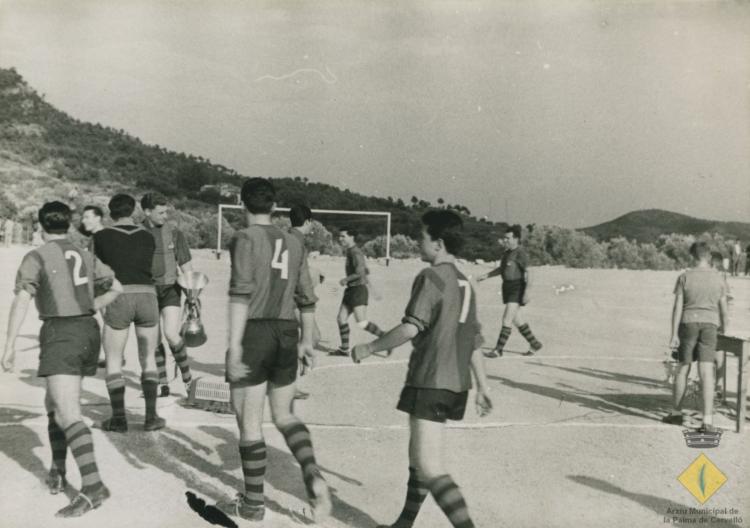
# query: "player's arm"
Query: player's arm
{"points": [[394, 338], [723, 315], [483, 401], [106, 286], [305, 299], [494, 273], [109, 296], [679, 301], [241, 288], [182, 252], [18, 310], [360, 270]]}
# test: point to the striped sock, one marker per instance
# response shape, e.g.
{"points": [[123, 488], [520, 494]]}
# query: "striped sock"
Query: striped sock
{"points": [[374, 329], [451, 501], [82, 447], [149, 384], [116, 390], [297, 437], [503, 337], [344, 331], [58, 443], [529, 336], [161, 364], [415, 495], [253, 455], [180, 356]]}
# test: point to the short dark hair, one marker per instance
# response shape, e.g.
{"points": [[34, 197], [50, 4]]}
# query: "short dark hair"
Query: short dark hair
{"points": [[700, 250], [55, 218], [151, 200], [717, 258], [516, 230], [299, 214], [121, 206], [446, 226], [350, 232], [258, 195], [97, 210]]}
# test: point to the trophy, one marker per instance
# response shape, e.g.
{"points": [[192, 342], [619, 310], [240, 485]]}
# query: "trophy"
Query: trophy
{"points": [[192, 332]]}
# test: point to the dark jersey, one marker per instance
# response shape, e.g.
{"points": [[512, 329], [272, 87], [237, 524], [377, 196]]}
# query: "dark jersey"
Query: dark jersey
{"points": [[129, 251], [443, 308], [269, 273], [170, 250], [355, 263], [513, 265], [61, 278]]}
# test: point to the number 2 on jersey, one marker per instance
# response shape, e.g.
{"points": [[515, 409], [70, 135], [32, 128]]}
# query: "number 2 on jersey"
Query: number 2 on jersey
{"points": [[280, 260], [466, 285], [78, 278]]}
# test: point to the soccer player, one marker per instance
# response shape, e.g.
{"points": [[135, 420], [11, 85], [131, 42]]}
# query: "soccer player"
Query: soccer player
{"points": [[62, 279], [514, 269], [171, 255], [91, 220], [356, 293], [700, 309], [129, 250], [301, 218], [441, 320], [269, 277]]}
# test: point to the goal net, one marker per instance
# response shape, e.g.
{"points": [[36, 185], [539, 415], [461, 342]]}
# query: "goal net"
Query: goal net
{"points": [[370, 223]]}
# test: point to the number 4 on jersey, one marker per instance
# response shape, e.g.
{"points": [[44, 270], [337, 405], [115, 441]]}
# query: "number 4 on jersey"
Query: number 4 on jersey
{"points": [[280, 260]]}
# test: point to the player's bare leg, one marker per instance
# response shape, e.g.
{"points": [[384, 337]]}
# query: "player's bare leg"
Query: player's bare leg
{"points": [[509, 314], [247, 403], [148, 337], [429, 456], [56, 479], [171, 318], [708, 383], [678, 394], [297, 437], [520, 322], [342, 319], [65, 395], [114, 342]]}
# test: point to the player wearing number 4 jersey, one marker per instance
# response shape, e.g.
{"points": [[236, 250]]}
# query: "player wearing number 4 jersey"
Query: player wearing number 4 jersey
{"points": [[63, 279], [441, 320], [269, 277]]}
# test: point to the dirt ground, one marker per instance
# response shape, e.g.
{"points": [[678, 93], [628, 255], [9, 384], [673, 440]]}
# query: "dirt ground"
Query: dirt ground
{"points": [[575, 439]]}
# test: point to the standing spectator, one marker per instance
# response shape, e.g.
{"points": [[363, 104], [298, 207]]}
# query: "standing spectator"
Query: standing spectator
{"points": [[747, 260], [8, 232], [736, 256]]}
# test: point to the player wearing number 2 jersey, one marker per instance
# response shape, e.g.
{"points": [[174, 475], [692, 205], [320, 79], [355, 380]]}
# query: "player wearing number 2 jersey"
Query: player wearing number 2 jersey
{"points": [[63, 279], [441, 320], [269, 278]]}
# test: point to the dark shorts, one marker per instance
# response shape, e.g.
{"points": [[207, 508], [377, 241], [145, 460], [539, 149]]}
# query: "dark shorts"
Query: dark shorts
{"points": [[435, 405], [269, 349], [355, 296], [168, 295], [69, 345], [139, 308], [513, 291], [697, 342]]}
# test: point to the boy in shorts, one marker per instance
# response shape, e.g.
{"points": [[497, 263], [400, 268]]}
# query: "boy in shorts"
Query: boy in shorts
{"points": [[699, 312], [62, 279], [129, 250], [514, 269], [356, 293], [441, 320], [269, 277]]}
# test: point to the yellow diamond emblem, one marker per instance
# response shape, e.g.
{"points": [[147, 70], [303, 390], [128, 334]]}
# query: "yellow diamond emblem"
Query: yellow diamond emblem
{"points": [[702, 478]]}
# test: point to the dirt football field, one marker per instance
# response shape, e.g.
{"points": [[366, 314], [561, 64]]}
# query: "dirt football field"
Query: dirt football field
{"points": [[575, 438]]}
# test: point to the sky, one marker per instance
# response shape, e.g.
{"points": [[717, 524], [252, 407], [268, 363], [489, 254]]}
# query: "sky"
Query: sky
{"points": [[559, 112]]}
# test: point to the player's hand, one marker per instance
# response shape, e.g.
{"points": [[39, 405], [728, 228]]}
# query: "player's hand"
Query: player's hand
{"points": [[525, 299], [483, 403], [236, 369], [360, 352], [481, 278], [674, 343], [9, 358], [342, 282], [307, 357]]}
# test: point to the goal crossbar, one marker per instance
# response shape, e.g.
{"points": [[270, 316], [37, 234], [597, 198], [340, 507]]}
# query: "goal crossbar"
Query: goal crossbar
{"points": [[387, 216]]}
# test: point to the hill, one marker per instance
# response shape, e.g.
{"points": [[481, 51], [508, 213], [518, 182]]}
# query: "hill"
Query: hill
{"points": [[46, 154], [646, 226]]}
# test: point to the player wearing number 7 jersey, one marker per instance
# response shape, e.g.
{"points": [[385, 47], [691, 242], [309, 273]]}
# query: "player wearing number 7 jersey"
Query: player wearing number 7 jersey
{"points": [[441, 320], [269, 277], [63, 279]]}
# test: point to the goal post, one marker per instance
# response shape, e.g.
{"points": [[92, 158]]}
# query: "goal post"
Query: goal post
{"points": [[387, 216]]}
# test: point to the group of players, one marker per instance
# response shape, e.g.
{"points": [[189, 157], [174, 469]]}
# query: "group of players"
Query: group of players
{"points": [[130, 274]]}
